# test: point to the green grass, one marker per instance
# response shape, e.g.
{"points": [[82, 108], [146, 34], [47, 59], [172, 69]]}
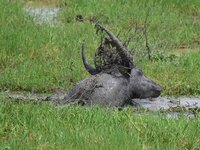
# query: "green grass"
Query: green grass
{"points": [[170, 24], [178, 77], [44, 58], [39, 3], [41, 126]]}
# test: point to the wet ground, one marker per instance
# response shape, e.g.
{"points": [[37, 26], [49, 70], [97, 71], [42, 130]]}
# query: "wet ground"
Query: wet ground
{"points": [[165, 103], [172, 107]]}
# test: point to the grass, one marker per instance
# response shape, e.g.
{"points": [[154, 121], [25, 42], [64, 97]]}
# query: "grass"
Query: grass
{"points": [[44, 58], [178, 77], [169, 23], [41, 126], [39, 3]]}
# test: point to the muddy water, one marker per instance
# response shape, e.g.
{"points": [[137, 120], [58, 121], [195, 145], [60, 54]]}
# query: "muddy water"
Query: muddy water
{"points": [[172, 107], [165, 103]]}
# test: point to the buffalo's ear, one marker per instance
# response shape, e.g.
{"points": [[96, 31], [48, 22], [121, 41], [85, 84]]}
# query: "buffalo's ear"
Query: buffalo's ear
{"points": [[136, 72], [133, 71]]}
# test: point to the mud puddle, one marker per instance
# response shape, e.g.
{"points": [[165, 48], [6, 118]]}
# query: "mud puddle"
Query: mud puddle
{"points": [[171, 107]]}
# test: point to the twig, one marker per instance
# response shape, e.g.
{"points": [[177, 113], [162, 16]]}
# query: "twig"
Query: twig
{"points": [[146, 36]]}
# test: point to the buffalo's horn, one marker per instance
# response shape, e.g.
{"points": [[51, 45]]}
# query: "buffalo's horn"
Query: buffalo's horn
{"points": [[89, 68], [123, 52]]}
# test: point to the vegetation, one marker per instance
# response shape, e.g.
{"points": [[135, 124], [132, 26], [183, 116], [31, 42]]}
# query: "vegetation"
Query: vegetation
{"points": [[38, 3], [45, 58], [39, 126]]}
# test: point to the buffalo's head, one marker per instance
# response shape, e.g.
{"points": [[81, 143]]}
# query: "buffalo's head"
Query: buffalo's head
{"points": [[139, 86]]}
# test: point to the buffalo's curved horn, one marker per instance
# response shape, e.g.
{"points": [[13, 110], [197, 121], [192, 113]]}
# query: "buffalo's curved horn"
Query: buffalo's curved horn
{"points": [[89, 68], [123, 52]]}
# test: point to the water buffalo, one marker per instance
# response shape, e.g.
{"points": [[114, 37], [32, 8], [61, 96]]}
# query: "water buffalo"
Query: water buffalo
{"points": [[112, 86]]}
